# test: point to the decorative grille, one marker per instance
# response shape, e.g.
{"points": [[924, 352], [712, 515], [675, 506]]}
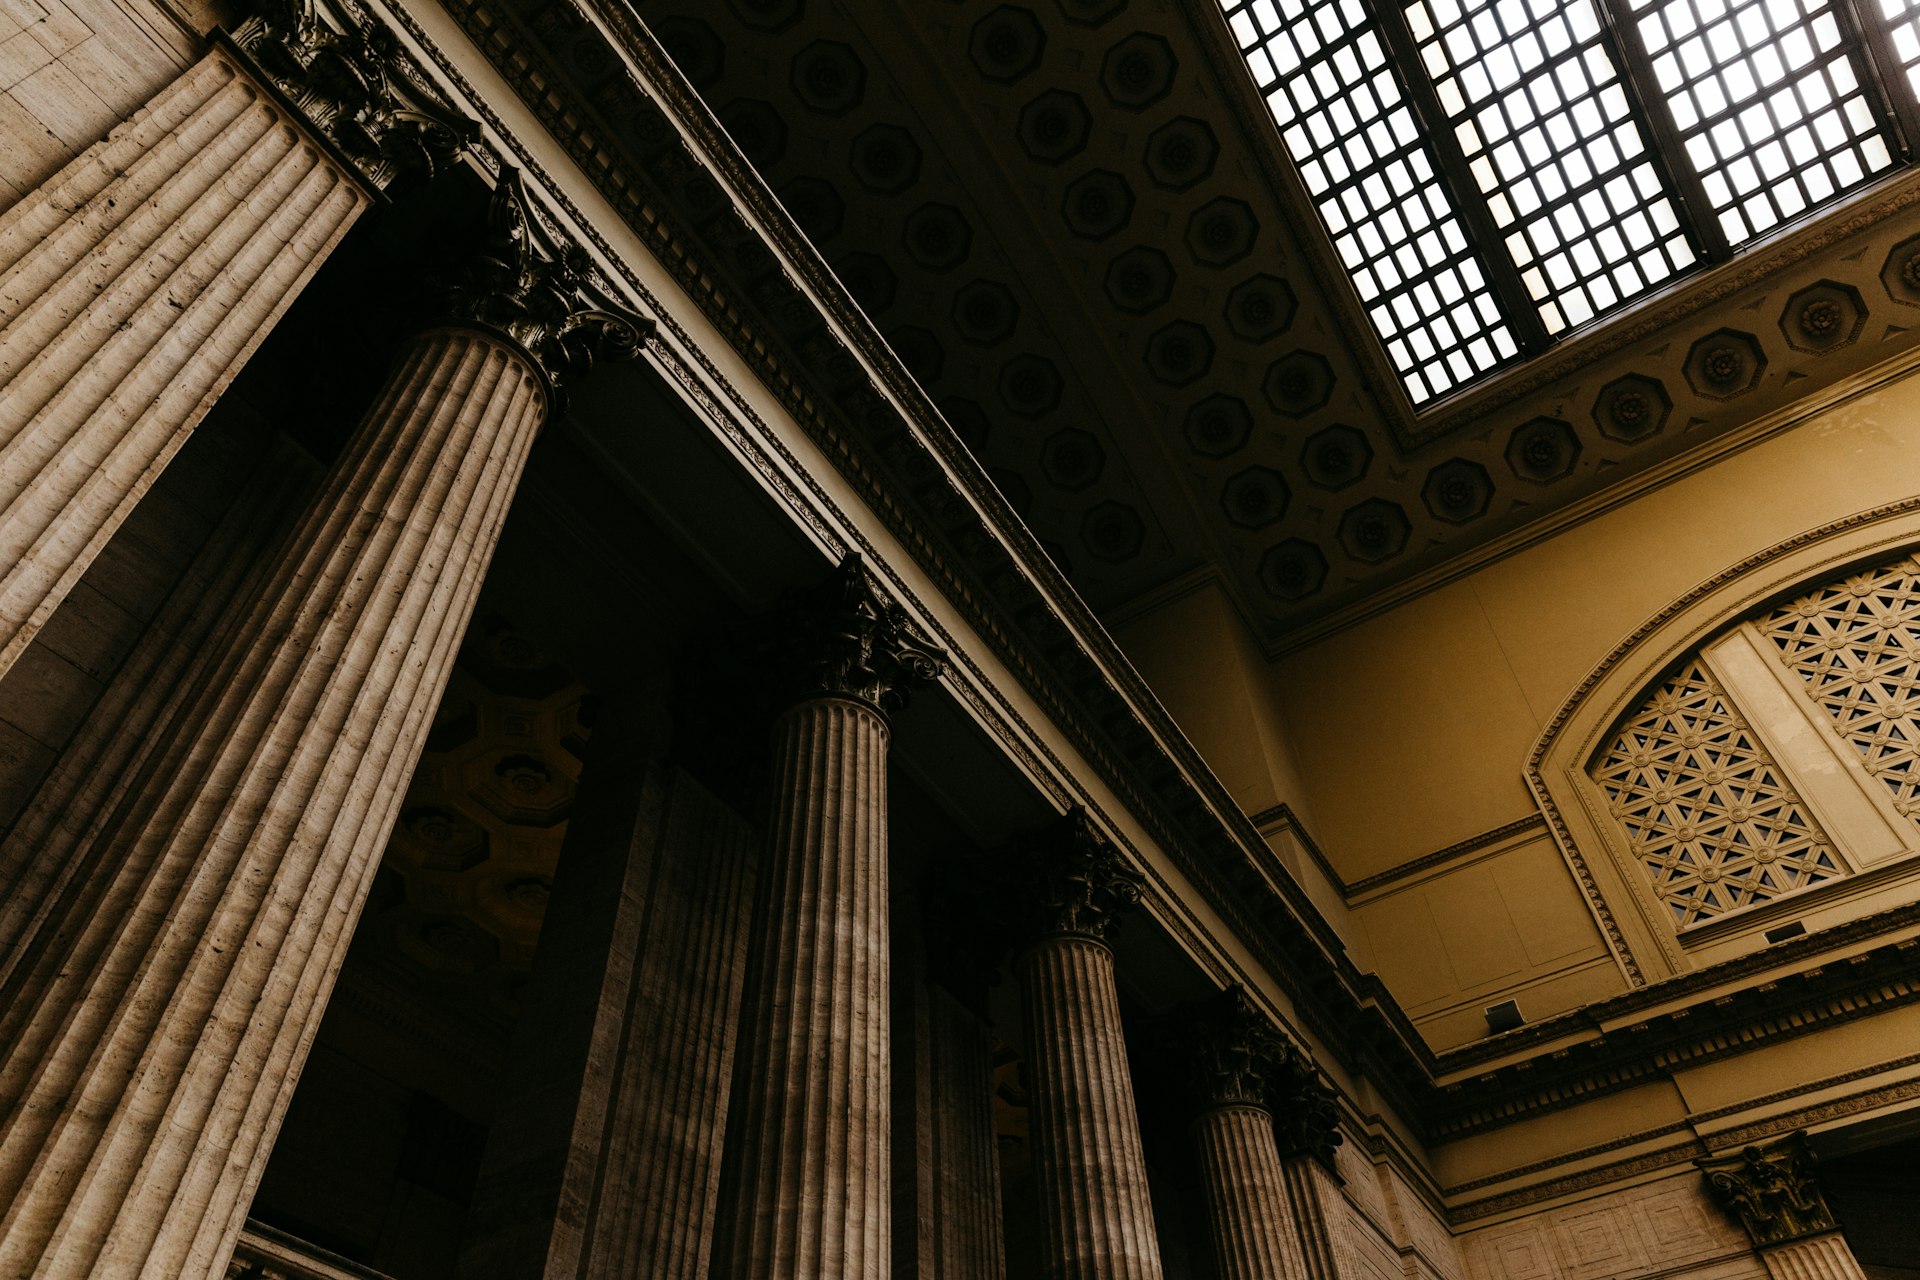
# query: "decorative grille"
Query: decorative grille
{"points": [[1327, 75], [1546, 127], [1770, 102], [1856, 645], [1706, 811]]}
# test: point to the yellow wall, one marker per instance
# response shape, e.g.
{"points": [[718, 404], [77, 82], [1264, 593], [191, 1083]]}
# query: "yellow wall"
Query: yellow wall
{"points": [[1408, 732]]}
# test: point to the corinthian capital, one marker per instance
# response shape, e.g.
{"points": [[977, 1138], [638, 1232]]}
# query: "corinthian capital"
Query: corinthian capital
{"points": [[1078, 883], [347, 76], [1772, 1190], [528, 282], [1235, 1055], [845, 639]]}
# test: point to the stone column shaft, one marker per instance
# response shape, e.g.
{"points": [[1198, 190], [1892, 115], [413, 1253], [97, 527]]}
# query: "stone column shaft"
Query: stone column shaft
{"points": [[812, 1197], [1246, 1195], [151, 1041], [1319, 1214], [1096, 1216], [670, 1115], [52, 853], [133, 286], [968, 1243]]}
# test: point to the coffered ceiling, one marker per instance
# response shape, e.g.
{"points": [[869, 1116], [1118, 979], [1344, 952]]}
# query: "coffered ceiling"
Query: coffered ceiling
{"points": [[1074, 227]]}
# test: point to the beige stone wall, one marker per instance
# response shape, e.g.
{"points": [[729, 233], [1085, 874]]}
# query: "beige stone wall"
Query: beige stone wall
{"points": [[1663, 1228], [72, 69]]}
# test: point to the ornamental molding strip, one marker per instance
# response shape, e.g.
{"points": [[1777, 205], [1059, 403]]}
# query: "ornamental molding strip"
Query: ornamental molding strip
{"points": [[345, 74]]}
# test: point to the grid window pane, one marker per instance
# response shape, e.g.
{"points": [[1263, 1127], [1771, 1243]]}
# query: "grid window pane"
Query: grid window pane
{"points": [[1326, 74], [1770, 101], [1903, 20], [1538, 106]]}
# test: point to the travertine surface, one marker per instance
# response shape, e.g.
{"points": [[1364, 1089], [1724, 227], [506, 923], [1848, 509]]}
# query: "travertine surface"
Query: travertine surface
{"points": [[1319, 1215], [810, 1191], [605, 1159], [670, 1115], [1097, 1219], [1821, 1258], [133, 285], [964, 1205], [1246, 1196], [155, 1031], [55, 845]]}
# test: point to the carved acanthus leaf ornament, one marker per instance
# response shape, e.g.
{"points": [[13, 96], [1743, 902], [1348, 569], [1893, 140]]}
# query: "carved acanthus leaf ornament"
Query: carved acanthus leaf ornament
{"points": [[531, 284], [1306, 1116], [1079, 884], [1772, 1190], [845, 639], [349, 79], [1236, 1055]]}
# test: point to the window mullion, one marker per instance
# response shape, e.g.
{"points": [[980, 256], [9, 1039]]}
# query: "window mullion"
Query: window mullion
{"points": [[1522, 312], [1669, 151], [1866, 26]]}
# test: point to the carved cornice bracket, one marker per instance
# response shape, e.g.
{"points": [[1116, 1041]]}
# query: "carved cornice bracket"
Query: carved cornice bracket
{"points": [[348, 77], [525, 280], [845, 639], [1772, 1190], [1077, 883]]}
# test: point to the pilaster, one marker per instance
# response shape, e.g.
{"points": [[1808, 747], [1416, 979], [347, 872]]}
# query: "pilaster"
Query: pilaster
{"points": [[1774, 1190]]}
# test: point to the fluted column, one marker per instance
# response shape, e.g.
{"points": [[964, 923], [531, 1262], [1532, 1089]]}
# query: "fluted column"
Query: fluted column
{"points": [[1096, 1217], [1774, 1190], [52, 846], [151, 1037], [968, 1243], [811, 1193], [1235, 1055], [671, 1113], [1319, 1213], [136, 281]]}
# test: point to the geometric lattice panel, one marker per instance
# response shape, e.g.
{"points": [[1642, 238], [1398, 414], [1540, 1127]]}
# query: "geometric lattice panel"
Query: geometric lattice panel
{"points": [[1856, 645], [1706, 810]]}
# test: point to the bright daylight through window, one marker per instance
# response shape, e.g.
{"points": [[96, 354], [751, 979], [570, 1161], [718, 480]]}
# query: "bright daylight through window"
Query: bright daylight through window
{"points": [[1495, 173]]}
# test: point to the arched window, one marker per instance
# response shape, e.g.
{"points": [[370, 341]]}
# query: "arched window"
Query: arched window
{"points": [[1779, 755]]}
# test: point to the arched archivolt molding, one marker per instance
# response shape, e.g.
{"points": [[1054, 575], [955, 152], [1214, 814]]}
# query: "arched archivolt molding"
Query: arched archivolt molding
{"points": [[1643, 945]]}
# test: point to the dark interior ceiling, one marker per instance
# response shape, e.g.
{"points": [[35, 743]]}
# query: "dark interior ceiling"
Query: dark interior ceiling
{"points": [[1072, 227]]}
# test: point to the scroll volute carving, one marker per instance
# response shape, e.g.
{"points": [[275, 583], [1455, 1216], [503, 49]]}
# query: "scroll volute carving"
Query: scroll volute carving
{"points": [[1075, 881], [523, 279], [1771, 1188], [1237, 1058], [348, 77], [1236, 1055], [845, 639]]}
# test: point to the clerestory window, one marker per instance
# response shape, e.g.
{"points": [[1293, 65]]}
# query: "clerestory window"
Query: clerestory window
{"points": [[1497, 173], [1781, 755]]}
